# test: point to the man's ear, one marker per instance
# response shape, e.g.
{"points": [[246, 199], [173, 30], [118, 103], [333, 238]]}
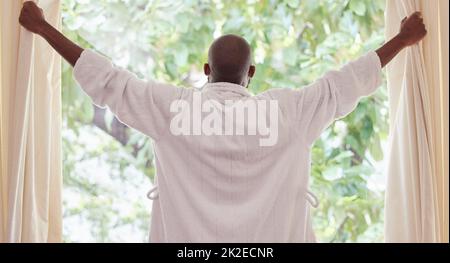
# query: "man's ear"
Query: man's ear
{"points": [[251, 71], [206, 69]]}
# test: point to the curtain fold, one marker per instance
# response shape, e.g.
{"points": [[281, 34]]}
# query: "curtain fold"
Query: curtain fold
{"points": [[416, 207], [31, 175]]}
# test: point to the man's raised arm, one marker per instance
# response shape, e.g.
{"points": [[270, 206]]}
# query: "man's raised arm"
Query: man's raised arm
{"points": [[32, 18], [412, 31], [338, 92], [142, 105]]}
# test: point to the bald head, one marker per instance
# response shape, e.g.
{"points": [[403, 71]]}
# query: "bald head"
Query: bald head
{"points": [[229, 60]]}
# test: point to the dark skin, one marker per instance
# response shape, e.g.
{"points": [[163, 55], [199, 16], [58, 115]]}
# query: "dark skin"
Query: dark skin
{"points": [[229, 60], [32, 18], [229, 56]]}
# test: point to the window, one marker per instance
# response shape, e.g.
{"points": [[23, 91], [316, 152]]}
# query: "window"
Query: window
{"points": [[108, 168]]}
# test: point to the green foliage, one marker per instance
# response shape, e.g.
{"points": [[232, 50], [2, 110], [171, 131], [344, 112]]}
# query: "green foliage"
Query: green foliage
{"points": [[294, 42]]}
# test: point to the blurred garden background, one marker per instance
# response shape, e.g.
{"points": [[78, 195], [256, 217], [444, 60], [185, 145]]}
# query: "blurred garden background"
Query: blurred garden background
{"points": [[108, 168]]}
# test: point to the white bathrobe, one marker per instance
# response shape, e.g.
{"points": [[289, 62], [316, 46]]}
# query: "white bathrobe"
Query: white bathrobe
{"points": [[230, 188]]}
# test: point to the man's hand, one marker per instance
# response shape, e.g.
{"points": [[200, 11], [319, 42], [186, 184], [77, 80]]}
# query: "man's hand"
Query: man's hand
{"points": [[412, 29], [32, 17]]}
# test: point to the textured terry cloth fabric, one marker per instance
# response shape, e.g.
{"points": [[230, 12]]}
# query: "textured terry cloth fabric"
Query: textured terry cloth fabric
{"points": [[229, 188]]}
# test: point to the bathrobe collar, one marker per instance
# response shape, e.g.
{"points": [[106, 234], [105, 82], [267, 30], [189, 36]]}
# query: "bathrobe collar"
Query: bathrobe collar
{"points": [[227, 87]]}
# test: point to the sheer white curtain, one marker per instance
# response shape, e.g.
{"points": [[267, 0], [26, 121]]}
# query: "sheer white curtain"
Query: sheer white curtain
{"points": [[417, 187], [30, 117]]}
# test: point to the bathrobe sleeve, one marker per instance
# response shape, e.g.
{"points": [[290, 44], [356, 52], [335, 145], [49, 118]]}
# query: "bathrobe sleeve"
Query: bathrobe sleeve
{"points": [[335, 95], [144, 106]]}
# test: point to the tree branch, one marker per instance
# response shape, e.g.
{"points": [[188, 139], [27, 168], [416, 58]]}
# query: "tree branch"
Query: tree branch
{"points": [[339, 230], [119, 131]]}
